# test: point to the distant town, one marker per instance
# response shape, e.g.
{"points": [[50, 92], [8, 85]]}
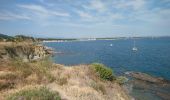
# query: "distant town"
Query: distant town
{"points": [[7, 38]]}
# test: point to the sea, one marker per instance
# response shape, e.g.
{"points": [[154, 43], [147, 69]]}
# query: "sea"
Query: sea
{"points": [[152, 57]]}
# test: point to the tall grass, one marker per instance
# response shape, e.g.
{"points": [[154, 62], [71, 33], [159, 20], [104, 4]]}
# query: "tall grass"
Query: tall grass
{"points": [[98, 87], [41, 68], [35, 94]]}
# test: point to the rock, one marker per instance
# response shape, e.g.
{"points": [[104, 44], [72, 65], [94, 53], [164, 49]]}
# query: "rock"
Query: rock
{"points": [[164, 96], [147, 78], [26, 52], [145, 83]]}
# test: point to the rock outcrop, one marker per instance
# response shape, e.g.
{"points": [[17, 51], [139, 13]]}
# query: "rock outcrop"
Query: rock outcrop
{"points": [[147, 78], [24, 51], [157, 86]]}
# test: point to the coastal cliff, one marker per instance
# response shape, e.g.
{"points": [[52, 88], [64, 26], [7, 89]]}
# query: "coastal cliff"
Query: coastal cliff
{"points": [[24, 51], [79, 82]]}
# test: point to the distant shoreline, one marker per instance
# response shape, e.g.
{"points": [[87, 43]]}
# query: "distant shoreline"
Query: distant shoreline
{"points": [[46, 41]]}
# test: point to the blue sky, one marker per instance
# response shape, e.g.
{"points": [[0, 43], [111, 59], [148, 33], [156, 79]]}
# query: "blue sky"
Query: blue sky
{"points": [[85, 18]]}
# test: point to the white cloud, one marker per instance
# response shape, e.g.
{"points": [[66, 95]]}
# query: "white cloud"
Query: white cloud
{"points": [[42, 10], [96, 5], [154, 16], [125, 4], [34, 8], [116, 16], [60, 14], [12, 16], [83, 14]]}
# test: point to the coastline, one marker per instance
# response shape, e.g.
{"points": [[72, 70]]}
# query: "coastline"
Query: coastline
{"points": [[137, 85], [77, 40], [80, 78], [77, 78]]}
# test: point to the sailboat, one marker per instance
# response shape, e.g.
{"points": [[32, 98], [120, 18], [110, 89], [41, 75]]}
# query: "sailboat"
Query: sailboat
{"points": [[134, 47]]}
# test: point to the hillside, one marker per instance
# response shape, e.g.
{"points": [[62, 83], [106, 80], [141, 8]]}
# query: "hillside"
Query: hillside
{"points": [[2, 36], [17, 38], [20, 80]]}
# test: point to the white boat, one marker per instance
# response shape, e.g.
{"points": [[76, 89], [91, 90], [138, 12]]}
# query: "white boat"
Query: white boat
{"points": [[111, 45], [134, 47]]}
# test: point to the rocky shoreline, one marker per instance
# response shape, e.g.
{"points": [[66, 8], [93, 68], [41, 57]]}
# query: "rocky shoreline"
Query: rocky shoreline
{"points": [[145, 83], [148, 78]]}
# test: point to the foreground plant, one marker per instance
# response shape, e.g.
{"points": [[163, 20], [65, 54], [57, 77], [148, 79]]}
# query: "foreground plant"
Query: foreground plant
{"points": [[41, 93], [121, 80], [103, 71]]}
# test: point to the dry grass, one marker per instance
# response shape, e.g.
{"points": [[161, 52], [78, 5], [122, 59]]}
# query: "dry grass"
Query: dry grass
{"points": [[72, 82], [40, 69], [41, 93], [62, 80], [98, 87], [83, 84], [18, 73]]}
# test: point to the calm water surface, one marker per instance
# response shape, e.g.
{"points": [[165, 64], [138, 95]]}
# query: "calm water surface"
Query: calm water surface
{"points": [[152, 57]]}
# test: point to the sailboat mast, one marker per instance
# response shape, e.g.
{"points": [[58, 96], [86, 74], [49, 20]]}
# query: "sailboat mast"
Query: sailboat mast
{"points": [[134, 45], [134, 42]]}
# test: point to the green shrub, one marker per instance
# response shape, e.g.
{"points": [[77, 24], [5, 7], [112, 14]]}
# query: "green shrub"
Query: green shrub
{"points": [[121, 79], [103, 71], [35, 94]]}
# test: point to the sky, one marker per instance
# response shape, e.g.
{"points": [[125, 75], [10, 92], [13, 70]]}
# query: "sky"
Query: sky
{"points": [[85, 18]]}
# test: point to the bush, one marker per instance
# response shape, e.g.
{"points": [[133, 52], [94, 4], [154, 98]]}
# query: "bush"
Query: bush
{"points": [[121, 79], [35, 94], [103, 71]]}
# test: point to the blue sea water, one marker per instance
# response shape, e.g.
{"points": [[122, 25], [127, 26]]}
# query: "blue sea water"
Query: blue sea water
{"points": [[152, 57]]}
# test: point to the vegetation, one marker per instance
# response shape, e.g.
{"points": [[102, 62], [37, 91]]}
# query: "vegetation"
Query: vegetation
{"points": [[83, 82], [71, 82], [57, 39], [6, 85], [40, 68], [103, 71], [98, 87], [121, 80], [62, 80], [17, 38], [35, 94], [20, 38], [20, 72], [23, 38], [5, 37]]}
